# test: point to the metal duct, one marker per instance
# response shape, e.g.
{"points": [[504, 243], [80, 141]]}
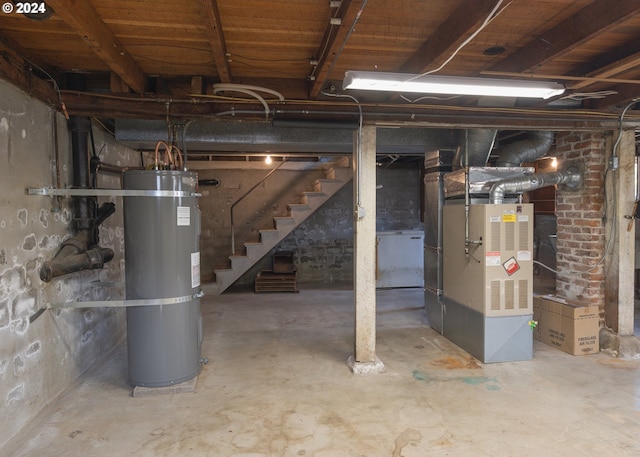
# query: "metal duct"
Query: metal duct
{"points": [[478, 144], [247, 137], [536, 145], [571, 177]]}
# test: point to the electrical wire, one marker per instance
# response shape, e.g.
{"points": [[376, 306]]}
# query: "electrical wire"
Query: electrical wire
{"points": [[346, 38], [579, 96], [249, 90], [429, 97], [51, 78], [280, 72], [104, 127], [325, 45], [490, 17], [259, 59], [359, 145]]}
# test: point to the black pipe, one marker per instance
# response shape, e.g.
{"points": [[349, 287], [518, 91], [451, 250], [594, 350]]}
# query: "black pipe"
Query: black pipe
{"points": [[73, 257], [315, 124], [80, 252], [79, 128], [105, 210]]}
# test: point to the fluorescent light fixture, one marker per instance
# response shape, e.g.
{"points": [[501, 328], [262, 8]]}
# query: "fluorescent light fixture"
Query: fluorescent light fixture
{"points": [[456, 85]]}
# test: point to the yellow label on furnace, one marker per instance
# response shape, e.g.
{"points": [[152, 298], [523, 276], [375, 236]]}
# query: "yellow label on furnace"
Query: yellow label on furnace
{"points": [[508, 218]]}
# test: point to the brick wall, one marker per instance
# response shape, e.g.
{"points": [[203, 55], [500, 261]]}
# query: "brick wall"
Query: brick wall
{"points": [[581, 229]]}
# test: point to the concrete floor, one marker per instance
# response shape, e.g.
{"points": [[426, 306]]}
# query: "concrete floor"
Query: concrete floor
{"points": [[277, 385]]}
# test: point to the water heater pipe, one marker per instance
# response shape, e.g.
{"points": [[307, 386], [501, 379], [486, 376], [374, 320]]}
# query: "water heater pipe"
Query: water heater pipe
{"points": [[570, 177]]}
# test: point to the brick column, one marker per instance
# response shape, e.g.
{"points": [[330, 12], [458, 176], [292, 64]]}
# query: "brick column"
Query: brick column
{"points": [[581, 228]]}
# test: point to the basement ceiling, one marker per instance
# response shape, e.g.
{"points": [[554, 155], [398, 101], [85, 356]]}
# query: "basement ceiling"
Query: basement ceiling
{"points": [[159, 59]]}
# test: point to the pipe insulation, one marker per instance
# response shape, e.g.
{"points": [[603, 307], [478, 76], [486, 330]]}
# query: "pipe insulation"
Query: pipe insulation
{"points": [[534, 146], [571, 177]]}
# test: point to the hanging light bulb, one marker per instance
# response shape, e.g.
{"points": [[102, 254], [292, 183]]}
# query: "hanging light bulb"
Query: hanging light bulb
{"points": [[268, 160]]}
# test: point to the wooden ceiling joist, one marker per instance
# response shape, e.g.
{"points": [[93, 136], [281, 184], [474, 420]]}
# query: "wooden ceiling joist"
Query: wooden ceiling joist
{"points": [[449, 36], [216, 39], [593, 20], [84, 20], [624, 94], [15, 69], [158, 107], [609, 65], [333, 40]]}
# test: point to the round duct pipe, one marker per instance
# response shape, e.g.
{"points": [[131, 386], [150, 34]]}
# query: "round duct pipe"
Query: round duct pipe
{"points": [[478, 144], [534, 146]]}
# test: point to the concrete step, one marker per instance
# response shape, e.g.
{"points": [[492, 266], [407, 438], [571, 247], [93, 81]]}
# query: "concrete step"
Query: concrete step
{"points": [[269, 235], [327, 186], [254, 250], [298, 207], [210, 288], [314, 199], [240, 262], [224, 276], [284, 222], [338, 174]]}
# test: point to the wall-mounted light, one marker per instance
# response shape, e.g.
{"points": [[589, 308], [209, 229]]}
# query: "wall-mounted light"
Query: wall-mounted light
{"points": [[268, 160], [432, 84]]}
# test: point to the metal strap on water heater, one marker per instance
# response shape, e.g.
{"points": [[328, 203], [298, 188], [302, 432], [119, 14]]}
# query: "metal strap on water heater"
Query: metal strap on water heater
{"points": [[127, 303], [110, 192]]}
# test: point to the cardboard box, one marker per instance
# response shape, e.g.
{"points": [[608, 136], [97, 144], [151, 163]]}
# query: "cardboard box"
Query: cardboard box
{"points": [[568, 326]]}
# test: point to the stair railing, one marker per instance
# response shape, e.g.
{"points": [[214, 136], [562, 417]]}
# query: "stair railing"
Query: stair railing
{"points": [[233, 238]]}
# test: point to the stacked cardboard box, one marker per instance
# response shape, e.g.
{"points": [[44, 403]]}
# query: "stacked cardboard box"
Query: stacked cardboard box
{"points": [[570, 327]]}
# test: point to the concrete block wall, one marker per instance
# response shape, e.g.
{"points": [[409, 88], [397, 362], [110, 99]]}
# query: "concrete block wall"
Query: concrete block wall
{"points": [[253, 213], [323, 244], [40, 359], [580, 226]]}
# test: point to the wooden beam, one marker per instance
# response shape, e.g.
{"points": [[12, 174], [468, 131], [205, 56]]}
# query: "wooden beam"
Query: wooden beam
{"points": [[18, 72], [449, 36], [155, 107], [117, 85], [333, 40], [625, 94], [365, 360], [578, 79], [84, 20], [595, 19], [610, 64], [215, 36], [197, 85]]}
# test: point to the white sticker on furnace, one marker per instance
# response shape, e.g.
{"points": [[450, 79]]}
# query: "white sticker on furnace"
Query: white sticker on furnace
{"points": [[523, 255], [195, 269], [492, 259], [184, 215]]}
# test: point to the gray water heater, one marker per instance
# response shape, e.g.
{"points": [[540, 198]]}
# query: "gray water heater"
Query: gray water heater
{"points": [[162, 262]]}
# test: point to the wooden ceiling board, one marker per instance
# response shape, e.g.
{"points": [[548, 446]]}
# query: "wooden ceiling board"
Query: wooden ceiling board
{"points": [[63, 51], [270, 43]]}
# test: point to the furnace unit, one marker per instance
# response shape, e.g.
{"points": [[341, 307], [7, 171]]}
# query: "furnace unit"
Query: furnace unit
{"points": [[478, 260], [488, 281]]}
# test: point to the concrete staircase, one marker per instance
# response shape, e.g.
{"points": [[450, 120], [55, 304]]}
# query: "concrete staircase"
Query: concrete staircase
{"points": [[338, 173]]}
